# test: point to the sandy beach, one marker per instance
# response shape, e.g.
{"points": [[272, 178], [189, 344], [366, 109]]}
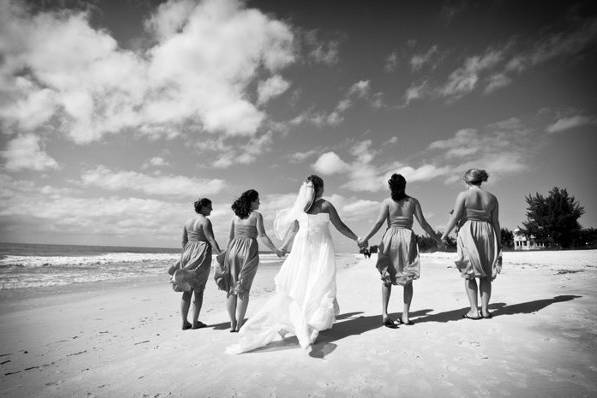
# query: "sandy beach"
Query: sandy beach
{"points": [[123, 338]]}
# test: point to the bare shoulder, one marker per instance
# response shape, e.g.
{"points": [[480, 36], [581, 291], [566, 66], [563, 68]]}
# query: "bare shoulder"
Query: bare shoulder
{"points": [[492, 198], [414, 201], [325, 205]]}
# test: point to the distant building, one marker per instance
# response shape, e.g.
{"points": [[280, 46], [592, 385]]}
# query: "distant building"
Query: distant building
{"points": [[522, 242]]}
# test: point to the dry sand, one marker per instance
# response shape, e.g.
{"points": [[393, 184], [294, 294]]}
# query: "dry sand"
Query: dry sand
{"points": [[117, 340]]}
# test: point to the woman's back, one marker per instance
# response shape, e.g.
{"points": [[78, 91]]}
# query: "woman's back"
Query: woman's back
{"points": [[478, 203], [194, 228], [401, 213], [245, 227]]}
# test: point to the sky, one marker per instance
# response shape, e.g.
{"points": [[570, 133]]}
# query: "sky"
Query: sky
{"points": [[116, 115]]}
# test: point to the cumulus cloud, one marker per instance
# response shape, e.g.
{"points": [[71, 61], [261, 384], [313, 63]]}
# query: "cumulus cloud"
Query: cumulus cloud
{"points": [[570, 122], [330, 163], [25, 152], [156, 161], [59, 72], [163, 185], [271, 88]]}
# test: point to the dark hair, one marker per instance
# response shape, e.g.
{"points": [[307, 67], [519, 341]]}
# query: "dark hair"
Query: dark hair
{"points": [[317, 186], [201, 203], [475, 176], [397, 184], [242, 205]]}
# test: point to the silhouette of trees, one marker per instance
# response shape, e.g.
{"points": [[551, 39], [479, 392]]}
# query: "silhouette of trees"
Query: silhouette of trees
{"points": [[553, 219], [507, 238]]}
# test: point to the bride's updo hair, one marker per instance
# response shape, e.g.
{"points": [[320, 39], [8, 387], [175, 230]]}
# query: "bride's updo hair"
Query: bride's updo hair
{"points": [[475, 176], [397, 184], [317, 186], [200, 204], [242, 205], [316, 181]]}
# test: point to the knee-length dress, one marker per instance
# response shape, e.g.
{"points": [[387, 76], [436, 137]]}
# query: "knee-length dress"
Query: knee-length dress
{"points": [[398, 253], [236, 273], [477, 246], [195, 260]]}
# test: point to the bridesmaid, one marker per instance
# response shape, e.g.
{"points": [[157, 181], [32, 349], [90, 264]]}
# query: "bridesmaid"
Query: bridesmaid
{"points": [[195, 260], [235, 275], [479, 241], [398, 257]]}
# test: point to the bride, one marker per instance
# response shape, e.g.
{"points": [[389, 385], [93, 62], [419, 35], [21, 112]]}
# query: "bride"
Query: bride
{"points": [[305, 299]]}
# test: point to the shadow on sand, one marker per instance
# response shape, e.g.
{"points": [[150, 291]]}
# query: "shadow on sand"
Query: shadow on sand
{"points": [[353, 325], [362, 324]]}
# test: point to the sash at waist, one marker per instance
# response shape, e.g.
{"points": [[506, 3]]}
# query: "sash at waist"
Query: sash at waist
{"points": [[476, 218], [407, 224]]}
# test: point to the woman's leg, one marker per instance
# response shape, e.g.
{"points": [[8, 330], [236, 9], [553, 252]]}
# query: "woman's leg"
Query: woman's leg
{"points": [[184, 309], [470, 286], [197, 303], [241, 310], [485, 288], [386, 291], [231, 307], [407, 298]]}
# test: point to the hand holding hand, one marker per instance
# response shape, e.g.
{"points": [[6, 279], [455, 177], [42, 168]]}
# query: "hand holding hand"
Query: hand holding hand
{"points": [[362, 242], [280, 252]]}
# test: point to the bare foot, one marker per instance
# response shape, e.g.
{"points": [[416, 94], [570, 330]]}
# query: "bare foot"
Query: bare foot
{"points": [[472, 315], [186, 325]]}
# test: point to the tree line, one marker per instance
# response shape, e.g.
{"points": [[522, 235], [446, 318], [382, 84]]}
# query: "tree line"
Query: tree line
{"points": [[552, 219]]}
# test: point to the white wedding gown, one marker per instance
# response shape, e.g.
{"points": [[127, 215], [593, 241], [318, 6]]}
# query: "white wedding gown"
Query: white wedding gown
{"points": [[305, 299]]}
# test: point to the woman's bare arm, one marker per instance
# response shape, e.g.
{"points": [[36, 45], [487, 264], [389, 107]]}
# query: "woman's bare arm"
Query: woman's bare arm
{"points": [[263, 235], [290, 234], [423, 222], [231, 232], [337, 222], [209, 235], [495, 221], [383, 216], [185, 237], [456, 215]]}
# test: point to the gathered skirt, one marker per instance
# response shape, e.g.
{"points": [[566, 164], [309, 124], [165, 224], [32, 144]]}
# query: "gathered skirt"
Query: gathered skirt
{"points": [[477, 250], [195, 263], [236, 270], [398, 257]]}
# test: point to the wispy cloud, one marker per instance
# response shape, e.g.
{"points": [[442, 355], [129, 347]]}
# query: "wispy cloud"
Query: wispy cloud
{"points": [[162, 185], [419, 60], [570, 122], [321, 51], [391, 62], [358, 91], [499, 65]]}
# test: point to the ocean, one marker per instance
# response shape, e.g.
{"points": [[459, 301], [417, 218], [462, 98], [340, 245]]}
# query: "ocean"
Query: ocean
{"points": [[41, 265]]}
